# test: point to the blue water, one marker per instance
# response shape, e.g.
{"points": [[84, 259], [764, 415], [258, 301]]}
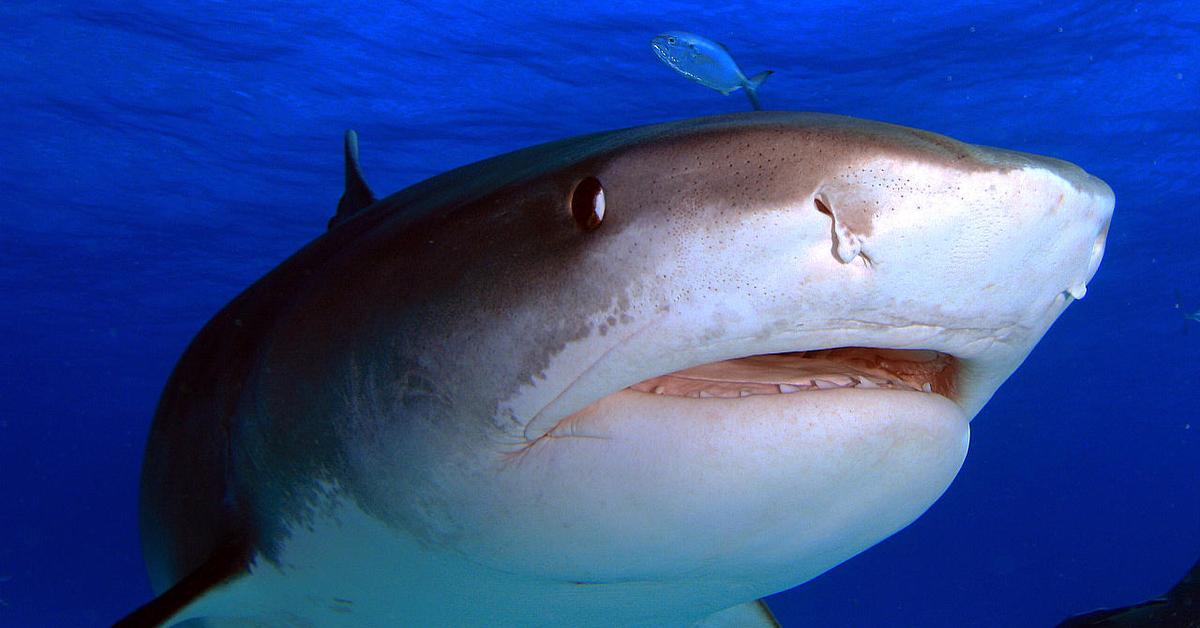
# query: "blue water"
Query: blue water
{"points": [[158, 157]]}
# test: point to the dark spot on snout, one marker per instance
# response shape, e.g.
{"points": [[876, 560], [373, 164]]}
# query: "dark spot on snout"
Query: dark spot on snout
{"points": [[587, 203]]}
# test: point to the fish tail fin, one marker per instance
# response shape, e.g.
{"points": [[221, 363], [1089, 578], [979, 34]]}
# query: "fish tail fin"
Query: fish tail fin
{"points": [[757, 79], [751, 86]]}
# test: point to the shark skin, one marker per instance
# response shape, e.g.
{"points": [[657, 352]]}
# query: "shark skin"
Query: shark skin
{"points": [[642, 377]]}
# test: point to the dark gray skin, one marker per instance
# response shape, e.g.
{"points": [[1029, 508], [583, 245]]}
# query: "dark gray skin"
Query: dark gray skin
{"points": [[242, 418], [236, 422]]}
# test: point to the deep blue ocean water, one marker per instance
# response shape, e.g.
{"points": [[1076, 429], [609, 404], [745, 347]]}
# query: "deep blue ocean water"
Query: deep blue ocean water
{"points": [[158, 157]]}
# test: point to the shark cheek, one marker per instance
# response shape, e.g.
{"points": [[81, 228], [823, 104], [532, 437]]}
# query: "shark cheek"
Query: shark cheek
{"points": [[767, 488]]}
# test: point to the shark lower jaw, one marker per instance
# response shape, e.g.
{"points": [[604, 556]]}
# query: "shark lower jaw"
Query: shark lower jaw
{"points": [[763, 469]]}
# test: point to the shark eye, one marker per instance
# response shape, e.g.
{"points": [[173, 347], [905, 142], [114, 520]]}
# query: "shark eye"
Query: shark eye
{"points": [[671, 40], [587, 203]]}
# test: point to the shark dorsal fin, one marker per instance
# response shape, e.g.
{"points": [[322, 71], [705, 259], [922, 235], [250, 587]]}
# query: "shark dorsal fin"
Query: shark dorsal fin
{"points": [[357, 195]]}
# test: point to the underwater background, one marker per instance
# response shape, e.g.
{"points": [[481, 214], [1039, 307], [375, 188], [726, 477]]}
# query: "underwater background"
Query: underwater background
{"points": [[158, 157]]}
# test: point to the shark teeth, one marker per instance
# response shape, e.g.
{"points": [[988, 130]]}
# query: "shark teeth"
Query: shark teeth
{"points": [[697, 389], [775, 374], [682, 387]]}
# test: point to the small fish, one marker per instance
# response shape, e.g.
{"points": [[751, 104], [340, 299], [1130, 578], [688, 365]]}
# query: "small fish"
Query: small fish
{"points": [[706, 62]]}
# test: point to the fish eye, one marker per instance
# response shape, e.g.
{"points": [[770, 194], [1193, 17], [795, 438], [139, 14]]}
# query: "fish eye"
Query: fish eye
{"points": [[587, 203], [671, 40]]}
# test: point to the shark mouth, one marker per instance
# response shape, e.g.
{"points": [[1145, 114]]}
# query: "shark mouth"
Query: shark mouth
{"points": [[785, 373]]}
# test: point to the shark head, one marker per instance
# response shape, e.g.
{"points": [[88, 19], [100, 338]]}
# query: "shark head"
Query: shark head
{"points": [[638, 376]]}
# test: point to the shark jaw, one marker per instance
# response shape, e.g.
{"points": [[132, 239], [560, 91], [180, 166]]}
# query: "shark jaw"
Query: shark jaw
{"points": [[722, 499], [770, 375], [730, 480]]}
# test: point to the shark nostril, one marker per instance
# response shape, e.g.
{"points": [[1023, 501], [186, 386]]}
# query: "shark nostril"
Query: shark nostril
{"points": [[587, 203], [822, 207], [846, 244]]}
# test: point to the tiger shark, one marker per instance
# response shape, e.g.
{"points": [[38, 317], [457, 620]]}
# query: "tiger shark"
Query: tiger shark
{"points": [[641, 377]]}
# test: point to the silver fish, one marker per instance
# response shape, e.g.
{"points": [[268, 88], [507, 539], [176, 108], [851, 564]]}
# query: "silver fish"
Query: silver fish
{"points": [[708, 63]]}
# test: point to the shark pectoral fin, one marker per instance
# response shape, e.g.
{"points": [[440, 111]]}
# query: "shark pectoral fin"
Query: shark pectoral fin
{"points": [[749, 615], [226, 563], [357, 194]]}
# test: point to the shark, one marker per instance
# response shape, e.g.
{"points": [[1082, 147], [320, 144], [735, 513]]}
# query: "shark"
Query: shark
{"points": [[639, 377], [1177, 608]]}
